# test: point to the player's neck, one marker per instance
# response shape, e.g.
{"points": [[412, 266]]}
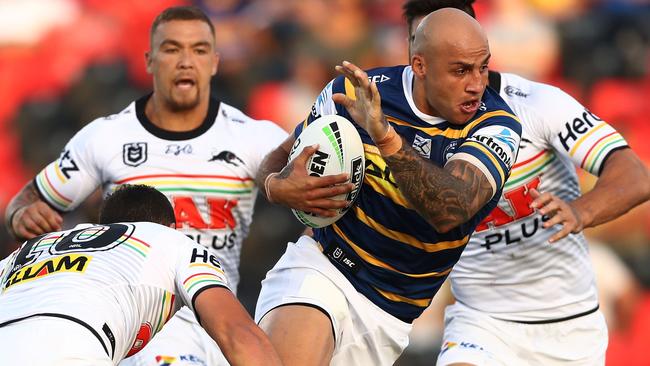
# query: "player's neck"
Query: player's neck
{"points": [[420, 99], [178, 121]]}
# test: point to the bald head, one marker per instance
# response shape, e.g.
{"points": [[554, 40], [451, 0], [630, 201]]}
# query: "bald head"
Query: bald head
{"points": [[449, 61], [446, 29]]}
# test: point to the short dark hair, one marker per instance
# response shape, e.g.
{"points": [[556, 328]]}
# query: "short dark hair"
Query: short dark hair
{"points": [[133, 203], [180, 13], [417, 8]]}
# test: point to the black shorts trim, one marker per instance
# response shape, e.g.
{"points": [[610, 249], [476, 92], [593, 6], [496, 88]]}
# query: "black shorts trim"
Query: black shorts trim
{"points": [[307, 304], [68, 317], [549, 321]]}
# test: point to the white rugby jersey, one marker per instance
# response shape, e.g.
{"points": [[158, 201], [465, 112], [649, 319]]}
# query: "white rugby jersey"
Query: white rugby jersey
{"points": [[508, 268], [120, 281], [206, 173]]}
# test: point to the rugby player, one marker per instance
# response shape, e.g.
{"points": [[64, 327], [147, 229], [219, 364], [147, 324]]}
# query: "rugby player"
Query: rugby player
{"points": [[438, 147], [200, 152], [90, 295], [525, 287]]}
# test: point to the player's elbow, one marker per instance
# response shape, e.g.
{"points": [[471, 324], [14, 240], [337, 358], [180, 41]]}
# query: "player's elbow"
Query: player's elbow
{"points": [[646, 185], [445, 226], [247, 345]]}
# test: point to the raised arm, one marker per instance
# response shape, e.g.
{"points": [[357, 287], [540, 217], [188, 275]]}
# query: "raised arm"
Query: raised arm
{"points": [[28, 216], [445, 197], [228, 323]]}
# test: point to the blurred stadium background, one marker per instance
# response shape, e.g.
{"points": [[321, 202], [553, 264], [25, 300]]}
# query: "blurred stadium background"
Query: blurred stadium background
{"points": [[64, 63]]}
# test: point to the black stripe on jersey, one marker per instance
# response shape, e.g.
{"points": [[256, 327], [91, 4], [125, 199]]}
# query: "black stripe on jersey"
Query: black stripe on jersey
{"points": [[609, 153], [198, 319], [42, 197], [68, 317], [213, 110]]}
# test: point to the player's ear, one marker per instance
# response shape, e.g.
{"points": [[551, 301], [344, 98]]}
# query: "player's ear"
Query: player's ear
{"points": [[215, 65], [147, 61], [418, 65]]}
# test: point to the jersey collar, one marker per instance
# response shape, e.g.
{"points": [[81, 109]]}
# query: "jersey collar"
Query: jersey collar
{"points": [[407, 81], [213, 109]]}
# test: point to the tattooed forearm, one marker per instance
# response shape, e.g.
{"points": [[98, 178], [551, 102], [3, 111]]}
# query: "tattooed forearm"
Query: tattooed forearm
{"points": [[273, 162], [25, 197], [445, 197]]}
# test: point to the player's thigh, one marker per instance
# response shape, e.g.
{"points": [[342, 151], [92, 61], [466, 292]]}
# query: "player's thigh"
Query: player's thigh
{"points": [[471, 338], [363, 334], [580, 341], [301, 334]]}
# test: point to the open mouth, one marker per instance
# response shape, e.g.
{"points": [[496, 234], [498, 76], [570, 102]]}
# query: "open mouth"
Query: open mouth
{"points": [[470, 106], [184, 83]]}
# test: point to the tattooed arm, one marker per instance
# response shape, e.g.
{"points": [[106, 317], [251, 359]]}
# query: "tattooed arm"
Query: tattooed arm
{"points": [[295, 188], [445, 197], [28, 215]]}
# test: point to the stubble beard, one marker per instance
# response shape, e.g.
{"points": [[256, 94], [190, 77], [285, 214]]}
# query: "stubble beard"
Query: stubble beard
{"points": [[183, 104]]}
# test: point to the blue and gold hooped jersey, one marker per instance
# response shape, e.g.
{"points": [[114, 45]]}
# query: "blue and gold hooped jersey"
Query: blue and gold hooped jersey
{"points": [[382, 245]]}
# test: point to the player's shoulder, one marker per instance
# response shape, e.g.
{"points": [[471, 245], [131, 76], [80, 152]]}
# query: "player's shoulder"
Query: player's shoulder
{"points": [[385, 77], [243, 124], [101, 126], [493, 102], [389, 75], [518, 89], [158, 235]]}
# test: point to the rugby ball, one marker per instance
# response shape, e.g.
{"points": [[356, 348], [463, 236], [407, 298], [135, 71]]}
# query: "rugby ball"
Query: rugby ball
{"points": [[339, 150]]}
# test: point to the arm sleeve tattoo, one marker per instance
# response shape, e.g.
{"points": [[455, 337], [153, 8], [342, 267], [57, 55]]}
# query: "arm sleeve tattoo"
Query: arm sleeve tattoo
{"points": [[445, 197]]}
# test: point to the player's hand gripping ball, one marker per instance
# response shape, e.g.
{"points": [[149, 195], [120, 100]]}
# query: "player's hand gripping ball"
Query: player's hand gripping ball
{"points": [[340, 150]]}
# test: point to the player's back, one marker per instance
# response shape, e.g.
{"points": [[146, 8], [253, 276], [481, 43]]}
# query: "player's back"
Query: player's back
{"points": [[114, 279]]}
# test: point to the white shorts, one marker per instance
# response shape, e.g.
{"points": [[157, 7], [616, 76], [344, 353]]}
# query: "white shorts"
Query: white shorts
{"points": [[476, 338], [45, 340], [181, 342], [364, 333]]}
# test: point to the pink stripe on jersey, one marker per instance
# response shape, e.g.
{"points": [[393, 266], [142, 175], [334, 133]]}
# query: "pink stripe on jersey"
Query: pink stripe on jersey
{"points": [[58, 194], [197, 274], [529, 160], [122, 181], [582, 164], [140, 241]]}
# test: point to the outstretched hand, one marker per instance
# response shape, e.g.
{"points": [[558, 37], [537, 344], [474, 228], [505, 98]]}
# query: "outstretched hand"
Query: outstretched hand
{"points": [[365, 108], [295, 188], [559, 212]]}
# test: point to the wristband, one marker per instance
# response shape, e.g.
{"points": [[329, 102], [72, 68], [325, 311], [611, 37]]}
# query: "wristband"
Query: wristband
{"points": [[389, 144], [267, 181]]}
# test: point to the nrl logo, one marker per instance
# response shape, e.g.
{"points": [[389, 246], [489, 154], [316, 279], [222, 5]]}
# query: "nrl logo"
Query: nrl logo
{"points": [[134, 153]]}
